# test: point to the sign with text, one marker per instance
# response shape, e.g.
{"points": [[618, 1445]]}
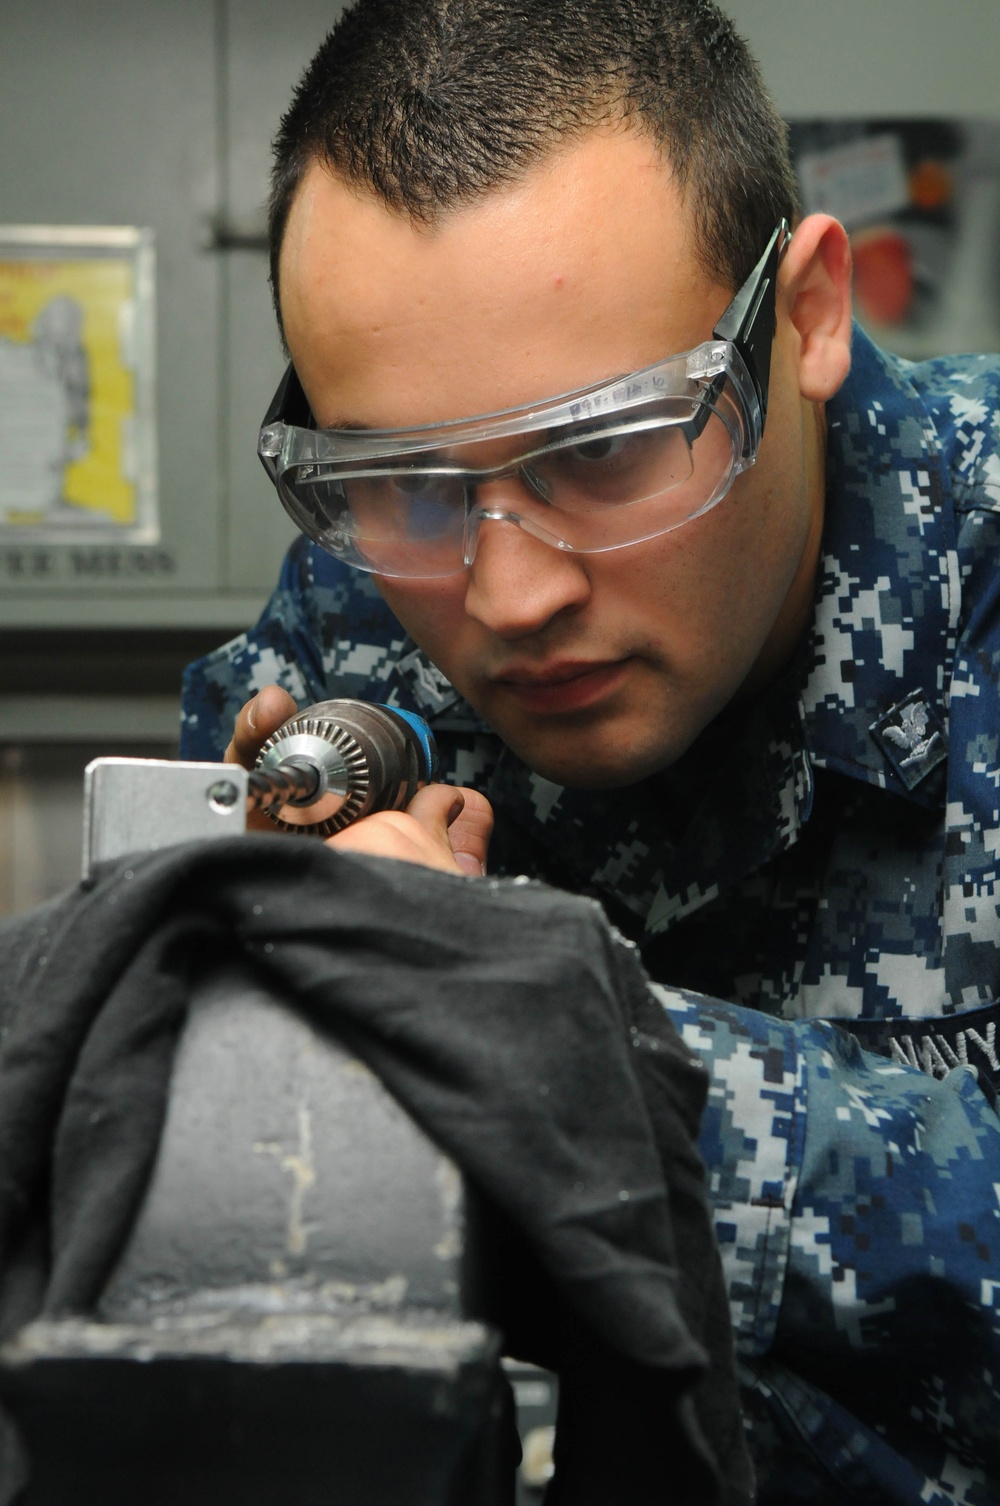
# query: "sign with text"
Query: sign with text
{"points": [[77, 418]]}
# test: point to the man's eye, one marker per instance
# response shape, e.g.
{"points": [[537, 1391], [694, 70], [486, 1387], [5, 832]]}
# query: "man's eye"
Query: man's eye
{"points": [[601, 447], [418, 484]]}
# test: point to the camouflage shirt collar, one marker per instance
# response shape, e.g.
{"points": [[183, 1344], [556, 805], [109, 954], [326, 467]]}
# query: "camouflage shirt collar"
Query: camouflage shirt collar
{"points": [[888, 594]]}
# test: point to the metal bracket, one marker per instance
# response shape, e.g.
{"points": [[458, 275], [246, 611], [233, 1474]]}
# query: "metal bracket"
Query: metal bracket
{"points": [[140, 804]]}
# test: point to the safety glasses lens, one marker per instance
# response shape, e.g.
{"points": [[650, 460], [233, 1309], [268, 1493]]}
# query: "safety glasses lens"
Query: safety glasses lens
{"points": [[612, 467], [595, 487], [399, 526]]}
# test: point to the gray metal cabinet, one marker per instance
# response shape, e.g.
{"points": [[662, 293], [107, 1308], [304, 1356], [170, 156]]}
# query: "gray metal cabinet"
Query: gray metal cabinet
{"points": [[138, 112]]}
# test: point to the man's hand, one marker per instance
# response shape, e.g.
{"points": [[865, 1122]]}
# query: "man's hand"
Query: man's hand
{"points": [[443, 827]]}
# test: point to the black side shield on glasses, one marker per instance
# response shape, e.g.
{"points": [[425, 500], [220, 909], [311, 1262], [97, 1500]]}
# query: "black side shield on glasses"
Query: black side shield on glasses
{"points": [[749, 322], [289, 404]]}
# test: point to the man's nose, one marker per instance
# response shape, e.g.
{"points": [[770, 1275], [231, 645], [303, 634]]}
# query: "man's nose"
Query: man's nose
{"points": [[517, 583]]}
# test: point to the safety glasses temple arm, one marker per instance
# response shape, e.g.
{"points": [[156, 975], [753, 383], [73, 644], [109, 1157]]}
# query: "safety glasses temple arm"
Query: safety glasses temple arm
{"points": [[750, 320]]}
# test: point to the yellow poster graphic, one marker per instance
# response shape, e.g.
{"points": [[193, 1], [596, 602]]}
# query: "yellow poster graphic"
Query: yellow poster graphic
{"points": [[77, 452]]}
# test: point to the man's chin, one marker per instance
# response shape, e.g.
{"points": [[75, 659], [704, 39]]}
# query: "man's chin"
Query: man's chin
{"points": [[578, 768]]}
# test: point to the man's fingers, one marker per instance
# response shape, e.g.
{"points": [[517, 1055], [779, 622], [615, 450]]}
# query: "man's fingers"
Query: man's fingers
{"points": [[467, 831], [255, 723], [395, 834], [443, 827], [470, 832]]}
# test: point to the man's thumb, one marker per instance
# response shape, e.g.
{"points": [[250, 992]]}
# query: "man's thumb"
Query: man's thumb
{"points": [[462, 817]]}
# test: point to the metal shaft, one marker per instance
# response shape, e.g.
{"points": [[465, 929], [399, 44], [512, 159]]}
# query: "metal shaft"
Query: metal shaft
{"points": [[294, 782]]}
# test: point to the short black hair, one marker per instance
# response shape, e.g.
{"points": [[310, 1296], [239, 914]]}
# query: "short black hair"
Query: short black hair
{"points": [[431, 104]]}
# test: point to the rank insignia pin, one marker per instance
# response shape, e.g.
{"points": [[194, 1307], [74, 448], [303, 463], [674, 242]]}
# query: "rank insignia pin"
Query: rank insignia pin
{"points": [[911, 737], [428, 686]]}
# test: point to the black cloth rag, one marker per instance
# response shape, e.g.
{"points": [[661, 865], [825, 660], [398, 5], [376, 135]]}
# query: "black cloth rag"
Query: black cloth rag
{"points": [[511, 1022]]}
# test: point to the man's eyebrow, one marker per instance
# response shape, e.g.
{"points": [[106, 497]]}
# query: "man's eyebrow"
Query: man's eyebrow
{"points": [[345, 426]]}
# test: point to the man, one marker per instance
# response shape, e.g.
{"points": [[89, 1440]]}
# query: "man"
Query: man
{"points": [[702, 631]]}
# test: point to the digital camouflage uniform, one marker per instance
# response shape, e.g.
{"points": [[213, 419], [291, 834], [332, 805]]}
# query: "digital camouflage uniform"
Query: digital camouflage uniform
{"points": [[829, 853]]}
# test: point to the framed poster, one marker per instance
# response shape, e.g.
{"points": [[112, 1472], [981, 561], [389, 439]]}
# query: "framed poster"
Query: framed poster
{"points": [[77, 401]]}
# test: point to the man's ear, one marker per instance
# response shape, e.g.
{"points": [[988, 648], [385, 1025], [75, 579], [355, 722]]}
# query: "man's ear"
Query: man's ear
{"points": [[814, 286]]}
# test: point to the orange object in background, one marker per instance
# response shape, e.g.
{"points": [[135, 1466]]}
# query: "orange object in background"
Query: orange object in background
{"points": [[883, 275], [931, 185]]}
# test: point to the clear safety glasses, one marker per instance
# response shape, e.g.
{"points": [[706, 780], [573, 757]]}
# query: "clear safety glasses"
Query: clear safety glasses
{"points": [[591, 470]]}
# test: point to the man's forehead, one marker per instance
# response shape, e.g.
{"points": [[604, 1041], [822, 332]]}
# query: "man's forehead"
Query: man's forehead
{"points": [[583, 269]]}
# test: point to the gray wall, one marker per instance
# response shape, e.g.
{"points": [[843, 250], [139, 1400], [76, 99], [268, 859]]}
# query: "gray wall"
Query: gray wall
{"points": [[876, 57]]}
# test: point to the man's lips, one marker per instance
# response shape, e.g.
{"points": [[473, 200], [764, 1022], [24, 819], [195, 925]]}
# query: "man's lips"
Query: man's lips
{"points": [[566, 686]]}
